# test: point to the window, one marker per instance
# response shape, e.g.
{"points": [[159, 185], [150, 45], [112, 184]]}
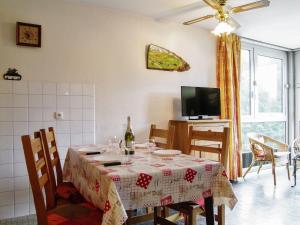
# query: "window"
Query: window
{"points": [[263, 95]]}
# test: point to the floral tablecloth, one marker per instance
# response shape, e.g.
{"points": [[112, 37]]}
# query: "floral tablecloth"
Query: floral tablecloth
{"points": [[147, 181]]}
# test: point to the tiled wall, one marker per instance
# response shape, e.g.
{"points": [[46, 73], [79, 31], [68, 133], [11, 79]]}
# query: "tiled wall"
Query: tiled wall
{"points": [[25, 107]]}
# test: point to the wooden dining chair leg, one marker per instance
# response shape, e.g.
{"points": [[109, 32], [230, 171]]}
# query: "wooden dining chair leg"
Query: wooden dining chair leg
{"points": [[260, 166], [274, 173], [295, 171], [249, 168], [156, 214], [288, 171], [221, 215], [192, 219], [209, 211]]}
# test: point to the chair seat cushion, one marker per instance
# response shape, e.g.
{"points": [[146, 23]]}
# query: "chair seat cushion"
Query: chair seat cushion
{"points": [[281, 154], [67, 191], [75, 214]]}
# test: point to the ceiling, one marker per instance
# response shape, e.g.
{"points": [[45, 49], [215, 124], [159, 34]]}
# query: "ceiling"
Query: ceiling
{"points": [[278, 24]]}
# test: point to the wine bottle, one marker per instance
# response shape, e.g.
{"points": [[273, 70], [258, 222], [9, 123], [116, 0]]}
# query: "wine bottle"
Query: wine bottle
{"points": [[129, 138]]}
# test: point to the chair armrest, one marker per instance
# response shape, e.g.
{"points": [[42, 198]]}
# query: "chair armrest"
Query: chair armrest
{"points": [[281, 146], [268, 150]]}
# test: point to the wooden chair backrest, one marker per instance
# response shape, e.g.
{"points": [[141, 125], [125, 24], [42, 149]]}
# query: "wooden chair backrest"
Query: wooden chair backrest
{"points": [[38, 176], [221, 138], [52, 156], [167, 135]]}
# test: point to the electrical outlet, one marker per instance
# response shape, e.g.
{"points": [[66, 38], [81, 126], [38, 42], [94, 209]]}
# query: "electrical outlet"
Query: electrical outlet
{"points": [[59, 115]]}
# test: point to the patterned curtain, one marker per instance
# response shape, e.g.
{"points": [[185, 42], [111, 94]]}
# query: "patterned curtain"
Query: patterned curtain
{"points": [[228, 77]]}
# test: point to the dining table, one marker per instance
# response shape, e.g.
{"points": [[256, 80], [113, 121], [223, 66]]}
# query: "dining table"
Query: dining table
{"points": [[143, 180]]}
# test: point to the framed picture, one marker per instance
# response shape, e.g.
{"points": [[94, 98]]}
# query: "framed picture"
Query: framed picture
{"points": [[29, 34]]}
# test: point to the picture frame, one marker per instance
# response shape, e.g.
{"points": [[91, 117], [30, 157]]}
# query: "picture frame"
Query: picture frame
{"points": [[28, 34]]}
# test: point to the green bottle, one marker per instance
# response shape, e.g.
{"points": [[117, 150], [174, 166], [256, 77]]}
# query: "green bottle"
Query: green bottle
{"points": [[129, 138]]}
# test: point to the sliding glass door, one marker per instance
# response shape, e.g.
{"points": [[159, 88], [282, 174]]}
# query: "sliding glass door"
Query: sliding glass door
{"points": [[263, 93]]}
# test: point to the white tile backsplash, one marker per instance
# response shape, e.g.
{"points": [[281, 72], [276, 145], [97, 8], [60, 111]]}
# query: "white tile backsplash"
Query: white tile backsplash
{"points": [[88, 126], [88, 89], [76, 127], [76, 102], [18, 156], [6, 156], [6, 100], [88, 114], [6, 128], [6, 170], [63, 139], [88, 138], [6, 198], [6, 114], [20, 170], [26, 107], [88, 102], [49, 88], [22, 196], [35, 87], [35, 100], [76, 114], [20, 114], [6, 184], [48, 114], [21, 209], [35, 114], [63, 126], [6, 142], [34, 126], [7, 211], [75, 89], [63, 101], [20, 101], [17, 142], [20, 128], [20, 87], [6, 86], [76, 139], [21, 183], [49, 101], [63, 89]]}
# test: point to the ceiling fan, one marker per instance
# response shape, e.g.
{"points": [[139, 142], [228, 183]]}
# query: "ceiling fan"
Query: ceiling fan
{"points": [[226, 23]]}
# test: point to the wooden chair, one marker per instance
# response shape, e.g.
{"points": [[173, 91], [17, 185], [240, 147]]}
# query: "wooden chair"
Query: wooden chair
{"points": [[63, 190], [48, 212], [266, 149], [159, 134], [220, 147]]}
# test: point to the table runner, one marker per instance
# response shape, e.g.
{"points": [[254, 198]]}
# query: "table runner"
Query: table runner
{"points": [[149, 181]]}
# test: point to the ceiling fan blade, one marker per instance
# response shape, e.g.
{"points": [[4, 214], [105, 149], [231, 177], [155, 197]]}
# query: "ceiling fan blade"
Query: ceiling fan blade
{"points": [[232, 22], [214, 4], [250, 6], [198, 19]]}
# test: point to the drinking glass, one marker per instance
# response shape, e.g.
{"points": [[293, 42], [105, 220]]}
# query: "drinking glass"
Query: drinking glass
{"points": [[113, 144], [151, 144]]}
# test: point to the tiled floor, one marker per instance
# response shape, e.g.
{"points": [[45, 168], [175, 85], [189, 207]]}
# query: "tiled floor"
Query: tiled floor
{"points": [[260, 203]]}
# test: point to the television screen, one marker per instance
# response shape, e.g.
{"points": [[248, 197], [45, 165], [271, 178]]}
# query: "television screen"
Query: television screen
{"points": [[200, 101]]}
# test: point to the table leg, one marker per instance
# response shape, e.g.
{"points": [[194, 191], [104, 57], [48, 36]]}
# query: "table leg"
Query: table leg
{"points": [[209, 211], [221, 215]]}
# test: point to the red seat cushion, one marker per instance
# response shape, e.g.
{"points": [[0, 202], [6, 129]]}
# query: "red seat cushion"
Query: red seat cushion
{"points": [[67, 191], [75, 214]]}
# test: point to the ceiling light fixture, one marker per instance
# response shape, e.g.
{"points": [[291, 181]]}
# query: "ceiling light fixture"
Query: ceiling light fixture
{"points": [[223, 28]]}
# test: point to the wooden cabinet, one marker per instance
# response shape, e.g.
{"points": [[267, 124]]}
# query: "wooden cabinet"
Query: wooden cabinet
{"points": [[182, 130]]}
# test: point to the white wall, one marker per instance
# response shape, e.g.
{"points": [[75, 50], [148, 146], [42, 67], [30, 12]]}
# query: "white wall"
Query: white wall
{"points": [[84, 43], [88, 44]]}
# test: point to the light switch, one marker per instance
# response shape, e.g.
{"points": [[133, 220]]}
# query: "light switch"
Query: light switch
{"points": [[59, 115]]}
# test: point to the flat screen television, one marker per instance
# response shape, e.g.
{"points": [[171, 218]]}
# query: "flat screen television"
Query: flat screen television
{"points": [[200, 101]]}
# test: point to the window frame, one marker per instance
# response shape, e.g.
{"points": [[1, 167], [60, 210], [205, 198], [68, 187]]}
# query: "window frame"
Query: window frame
{"points": [[255, 116]]}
